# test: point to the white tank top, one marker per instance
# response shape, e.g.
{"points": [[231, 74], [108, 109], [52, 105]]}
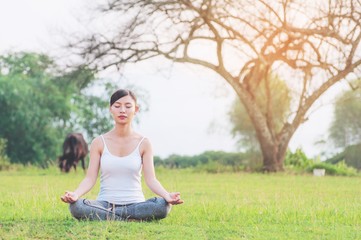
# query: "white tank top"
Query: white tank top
{"points": [[120, 179]]}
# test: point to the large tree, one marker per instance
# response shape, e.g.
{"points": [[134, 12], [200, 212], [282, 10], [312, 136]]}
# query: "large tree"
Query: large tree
{"points": [[311, 44], [41, 103], [33, 101]]}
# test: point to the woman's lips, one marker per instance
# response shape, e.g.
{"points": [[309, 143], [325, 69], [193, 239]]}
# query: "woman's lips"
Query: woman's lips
{"points": [[122, 117]]}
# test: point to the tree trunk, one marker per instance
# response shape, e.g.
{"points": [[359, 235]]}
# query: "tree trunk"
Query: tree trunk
{"points": [[272, 162], [274, 153]]}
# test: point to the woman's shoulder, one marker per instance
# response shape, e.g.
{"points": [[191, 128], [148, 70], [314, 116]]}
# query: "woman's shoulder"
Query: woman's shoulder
{"points": [[144, 143], [97, 142], [97, 139], [138, 136], [141, 138]]}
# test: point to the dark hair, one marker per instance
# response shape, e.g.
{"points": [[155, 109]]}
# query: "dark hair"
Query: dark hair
{"points": [[122, 93]]}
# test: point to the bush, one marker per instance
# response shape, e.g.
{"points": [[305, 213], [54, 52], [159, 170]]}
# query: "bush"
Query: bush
{"points": [[298, 160], [211, 160], [340, 169]]}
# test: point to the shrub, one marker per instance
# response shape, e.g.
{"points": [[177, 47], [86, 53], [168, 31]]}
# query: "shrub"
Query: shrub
{"points": [[340, 169], [212, 160], [298, 160]]}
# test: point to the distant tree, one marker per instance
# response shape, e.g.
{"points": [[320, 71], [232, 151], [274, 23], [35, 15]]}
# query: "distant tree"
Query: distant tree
{"points": [[33, 101], [234, 160], [312, 45], [345, 129], [40, 104], [350, 155]]}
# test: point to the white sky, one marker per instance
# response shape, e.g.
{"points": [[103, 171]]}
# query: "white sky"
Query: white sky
{"points": [[185, 101]]}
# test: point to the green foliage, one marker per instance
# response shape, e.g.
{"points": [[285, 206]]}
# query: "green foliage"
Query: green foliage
{"points": [[340, 168], [217, 167], [242, 127], [353, 156], [350, 155], [209, 161], [242, 124], [178, 161], [91, 114], [298, 159], [338, 157], [221, 162], [299, 162], [5, 164], [4, 159], [40, 104], [345, 129], [33, 101]]}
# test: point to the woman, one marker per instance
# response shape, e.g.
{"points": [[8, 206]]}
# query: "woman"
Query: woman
{"points": [[121, 154]]}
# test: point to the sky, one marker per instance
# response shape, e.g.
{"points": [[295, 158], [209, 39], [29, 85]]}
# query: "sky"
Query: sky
{"points": [[187, 106]]}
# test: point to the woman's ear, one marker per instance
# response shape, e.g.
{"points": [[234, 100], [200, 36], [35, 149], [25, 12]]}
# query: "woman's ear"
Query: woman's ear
{"points": [[136, 109]]}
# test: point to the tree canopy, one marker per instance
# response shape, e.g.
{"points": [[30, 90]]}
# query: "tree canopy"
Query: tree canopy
{"points": [[40, 104], [312, 45], [28, 114]]}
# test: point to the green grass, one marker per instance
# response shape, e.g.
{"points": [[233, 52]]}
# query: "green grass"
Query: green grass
{"points": [[218, 206]]}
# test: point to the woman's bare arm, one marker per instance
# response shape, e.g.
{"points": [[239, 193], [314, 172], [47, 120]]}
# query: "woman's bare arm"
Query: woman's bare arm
{"points": [[150, 178], [91, 176]]}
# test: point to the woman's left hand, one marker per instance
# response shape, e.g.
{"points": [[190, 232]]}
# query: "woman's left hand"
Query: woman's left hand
{"points": [[174, 198]]}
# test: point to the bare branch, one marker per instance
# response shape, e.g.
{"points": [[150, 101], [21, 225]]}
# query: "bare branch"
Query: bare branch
{"points": [[317, 42]]}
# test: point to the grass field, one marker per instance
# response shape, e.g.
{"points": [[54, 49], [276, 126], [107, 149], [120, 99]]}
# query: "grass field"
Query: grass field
{"points": [[218, 206]]}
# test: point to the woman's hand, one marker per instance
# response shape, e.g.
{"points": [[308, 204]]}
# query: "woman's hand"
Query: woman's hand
{"points": [[174, 198], [69, 197]]}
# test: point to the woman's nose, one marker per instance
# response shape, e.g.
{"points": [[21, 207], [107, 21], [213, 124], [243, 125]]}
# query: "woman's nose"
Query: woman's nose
{"points": [[122, 109]]}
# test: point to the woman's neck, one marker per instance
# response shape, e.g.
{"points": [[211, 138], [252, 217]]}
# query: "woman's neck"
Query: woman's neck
{"points": [[123, 131]]}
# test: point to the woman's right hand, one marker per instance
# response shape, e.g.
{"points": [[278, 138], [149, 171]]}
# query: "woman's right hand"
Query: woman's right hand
{"points": [[69, 197]]}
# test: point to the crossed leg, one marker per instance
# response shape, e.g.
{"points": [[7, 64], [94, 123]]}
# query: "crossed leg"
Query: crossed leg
{"points": [[151, 209]]}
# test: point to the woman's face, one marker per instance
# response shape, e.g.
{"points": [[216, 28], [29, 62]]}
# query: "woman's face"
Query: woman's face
{"points": [[124, 109]]}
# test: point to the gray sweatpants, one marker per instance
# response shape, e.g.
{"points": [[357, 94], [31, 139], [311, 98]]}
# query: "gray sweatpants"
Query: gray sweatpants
{"points": [[151, 209]]}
